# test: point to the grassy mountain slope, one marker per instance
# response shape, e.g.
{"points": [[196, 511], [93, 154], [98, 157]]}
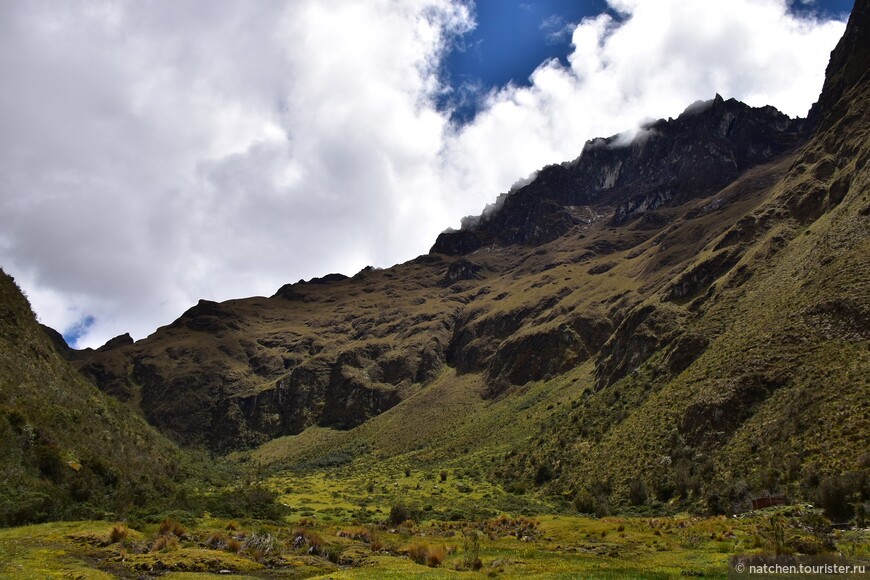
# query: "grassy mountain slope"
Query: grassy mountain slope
{"points": [[777, 398], [69, 450]]}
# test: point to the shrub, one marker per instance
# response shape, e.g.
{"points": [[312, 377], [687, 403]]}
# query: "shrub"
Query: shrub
{"points": [[543, 475], [233, 546], [584, 502], [333, 459], [833, 496], [806, 544], [516, 487], [399, 514], [471, 551], [774, 532], [51, 464], [254, 501], [602, 510], [23, 506]]}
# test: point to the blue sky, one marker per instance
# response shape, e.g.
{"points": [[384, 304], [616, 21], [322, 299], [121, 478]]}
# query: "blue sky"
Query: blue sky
{"points": [[511, 40], [155, 153]]}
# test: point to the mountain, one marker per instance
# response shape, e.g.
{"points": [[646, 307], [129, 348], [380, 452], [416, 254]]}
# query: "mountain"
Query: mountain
{"points": [[335, 352], [684, 310], [69, 450]]}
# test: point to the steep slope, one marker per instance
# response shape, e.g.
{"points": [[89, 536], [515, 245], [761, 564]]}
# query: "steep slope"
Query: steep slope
{"points": [[736, 378], [69, 450], [665, 162], [766, 388]]}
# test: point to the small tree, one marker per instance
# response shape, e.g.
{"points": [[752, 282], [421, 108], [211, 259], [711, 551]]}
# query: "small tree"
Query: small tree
{"points": [[398, 514], [833, 496], [774, 532]]}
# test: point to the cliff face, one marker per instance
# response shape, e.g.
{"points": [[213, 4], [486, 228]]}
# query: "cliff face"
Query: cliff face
{"points": [[697, 271], [847, 70], [333, 352]]}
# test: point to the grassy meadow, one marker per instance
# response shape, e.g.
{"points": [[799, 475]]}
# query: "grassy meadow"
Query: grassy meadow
{"points": [[387, 520]]}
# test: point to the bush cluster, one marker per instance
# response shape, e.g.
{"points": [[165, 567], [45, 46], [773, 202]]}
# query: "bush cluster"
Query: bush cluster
{"points": [[250, 502]]}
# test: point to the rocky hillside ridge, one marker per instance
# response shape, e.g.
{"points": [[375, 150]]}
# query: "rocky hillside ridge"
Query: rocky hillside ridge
{"points": [[329, 352], [666, 162], [610, 259]]}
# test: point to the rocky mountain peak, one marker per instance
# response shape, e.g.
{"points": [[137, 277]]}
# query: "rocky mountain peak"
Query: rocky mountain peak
{"points": [[622, 176]]}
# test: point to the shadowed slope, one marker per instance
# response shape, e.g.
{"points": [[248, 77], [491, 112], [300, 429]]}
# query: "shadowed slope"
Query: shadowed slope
{"points": [[69, 450]]}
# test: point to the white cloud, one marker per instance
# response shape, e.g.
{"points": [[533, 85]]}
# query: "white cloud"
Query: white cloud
{"points": [[555, 28], [155, 153]]}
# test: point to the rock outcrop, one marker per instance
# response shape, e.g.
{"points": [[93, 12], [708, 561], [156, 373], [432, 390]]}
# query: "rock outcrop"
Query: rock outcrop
{"points": [[668, 161]]}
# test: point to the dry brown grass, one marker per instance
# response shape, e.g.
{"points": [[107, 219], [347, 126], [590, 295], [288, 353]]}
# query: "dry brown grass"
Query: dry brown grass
{"points": [[165, 544], [305, 537], [119, 533], [427, 554], [361, 533], [233, 545], [170, 526]]}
